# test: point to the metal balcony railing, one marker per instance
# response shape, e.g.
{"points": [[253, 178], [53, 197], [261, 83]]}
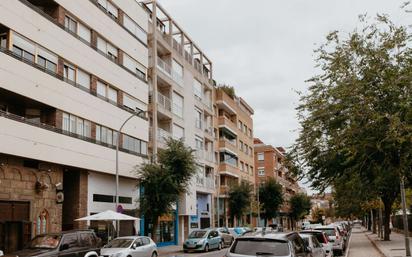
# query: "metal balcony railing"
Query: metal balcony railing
{"points": [[169, 71], [164, 102], [162, 135]]}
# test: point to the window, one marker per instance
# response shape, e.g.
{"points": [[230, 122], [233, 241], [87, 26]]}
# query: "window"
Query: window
{"points": [[107, 48], [241, 145], [261, 171], [240, 125], [198, 119], [246, 149], [131, 144], [247, 168], [134, 28], [244, 128], [70, 240], [199, 143], [105, 135], [87, 239], [46, 59], [106, 91], [177, 68], [250, 151], [3, 40], [134, 66], [23, 47], [261, 156], [83, 79], [177, 105], [178, 132], [197, 89], [69, 72], [76, 125], [242, 166], [109, 8], [133, 104], [250, 132], [70, 24], [41, 223], [84, 32]]}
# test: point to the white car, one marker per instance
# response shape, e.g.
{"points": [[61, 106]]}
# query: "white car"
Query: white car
{"points": [[133, 246], [335, 237], [1, 253], [314, 246]]}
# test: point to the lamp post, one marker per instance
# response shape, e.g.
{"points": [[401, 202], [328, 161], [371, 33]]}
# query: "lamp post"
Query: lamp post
{"points": [[137, 113]]}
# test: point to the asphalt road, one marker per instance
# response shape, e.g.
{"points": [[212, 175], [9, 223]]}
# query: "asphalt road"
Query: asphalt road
{"points": [[209, 254]]}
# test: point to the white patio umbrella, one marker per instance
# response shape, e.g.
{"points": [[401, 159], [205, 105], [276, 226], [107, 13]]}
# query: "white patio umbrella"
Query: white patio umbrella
{"points": [[108, 216]]}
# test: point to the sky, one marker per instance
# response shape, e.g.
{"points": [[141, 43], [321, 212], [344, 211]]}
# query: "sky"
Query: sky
{"points": [[265, 48]]}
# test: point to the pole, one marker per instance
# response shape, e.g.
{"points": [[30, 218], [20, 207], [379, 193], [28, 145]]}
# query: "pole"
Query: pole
{"points": [[117, 165], [405, 219]]}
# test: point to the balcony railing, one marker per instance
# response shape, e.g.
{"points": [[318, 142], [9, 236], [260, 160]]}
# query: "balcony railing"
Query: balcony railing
{"points": [[164, 102], [24, 120], [169, 71], [205, 182], [227, 140], [210, 156]]}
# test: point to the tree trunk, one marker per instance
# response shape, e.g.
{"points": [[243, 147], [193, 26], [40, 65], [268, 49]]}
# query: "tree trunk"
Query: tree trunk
{"points": [[387, 218], [374, 221], [369, 222], [155, 222]]}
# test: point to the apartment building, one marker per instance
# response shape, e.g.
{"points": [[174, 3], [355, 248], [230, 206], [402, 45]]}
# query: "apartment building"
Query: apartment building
{"points": [[181, 91], [71, 72], [234, 134], [269, 163]]}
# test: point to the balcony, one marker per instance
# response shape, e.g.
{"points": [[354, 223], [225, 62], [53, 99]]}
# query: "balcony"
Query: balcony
{"points": [[199, 154], [228, 144], [205, 182], [225, 102], [229, 169], [169, 71], [209, 156], [209, 132], [162, 136], [223, 121]]}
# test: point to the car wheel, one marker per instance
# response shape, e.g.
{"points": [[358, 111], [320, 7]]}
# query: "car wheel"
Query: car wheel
{"points": [[219, 247], [185, 251], [154, 254], [206, 248]]}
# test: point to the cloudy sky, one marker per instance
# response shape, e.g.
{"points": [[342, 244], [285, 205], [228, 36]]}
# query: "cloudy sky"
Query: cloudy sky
{"points": [[265, 48]]}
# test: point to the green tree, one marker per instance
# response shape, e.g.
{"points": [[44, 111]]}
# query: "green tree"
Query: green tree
{"points": [[163, 182], [270, 198], [357, 115], [239, 199], [300, 206]]}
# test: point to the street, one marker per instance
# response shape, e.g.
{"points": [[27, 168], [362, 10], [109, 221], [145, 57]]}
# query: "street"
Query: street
{"points": [[209, 254]]}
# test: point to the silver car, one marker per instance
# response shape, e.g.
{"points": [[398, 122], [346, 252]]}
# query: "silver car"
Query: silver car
{"points": [[335, 237], [323, 240], [133, 246], [269, 244], [313, 244]]}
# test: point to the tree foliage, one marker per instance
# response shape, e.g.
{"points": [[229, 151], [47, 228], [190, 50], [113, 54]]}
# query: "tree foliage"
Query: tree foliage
{"points": [[300, 206], [163, 182], [239, 199], [229, 90], [357, 115], [270, 198]]}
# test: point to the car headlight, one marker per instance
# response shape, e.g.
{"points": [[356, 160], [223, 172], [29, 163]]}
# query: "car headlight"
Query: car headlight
{"points": [[200, 242]]}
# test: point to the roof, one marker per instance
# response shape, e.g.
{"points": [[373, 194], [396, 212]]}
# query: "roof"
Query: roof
{"points": [[270, 235]]}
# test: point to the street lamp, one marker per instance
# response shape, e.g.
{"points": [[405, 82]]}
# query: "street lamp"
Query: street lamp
{"points": [[136, 113]]}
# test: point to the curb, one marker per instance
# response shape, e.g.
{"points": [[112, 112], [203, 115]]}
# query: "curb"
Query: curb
{"points": [[347, 249], [375, 245]]}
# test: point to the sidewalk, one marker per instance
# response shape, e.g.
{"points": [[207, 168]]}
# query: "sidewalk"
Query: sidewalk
{"points": [[393, 248], [170, 250]]}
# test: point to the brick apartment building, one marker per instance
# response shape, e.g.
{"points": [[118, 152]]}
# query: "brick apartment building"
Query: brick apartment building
{"points": [[269, 163], [70, 73], [234, 134]]}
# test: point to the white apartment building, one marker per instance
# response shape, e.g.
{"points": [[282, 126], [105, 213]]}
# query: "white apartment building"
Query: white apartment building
{"points": [[180, 76], [71, 72]]}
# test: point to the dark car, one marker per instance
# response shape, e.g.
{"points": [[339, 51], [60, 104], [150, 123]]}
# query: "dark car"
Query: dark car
{"points": [[269, 244], [74, 243]]}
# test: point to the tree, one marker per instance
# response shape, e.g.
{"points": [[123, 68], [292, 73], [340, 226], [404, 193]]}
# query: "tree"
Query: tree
{"points": [[317, 215], [229, 90], [163, 182], [357, 115], [270, 198], [239, 199], [300, 206]]}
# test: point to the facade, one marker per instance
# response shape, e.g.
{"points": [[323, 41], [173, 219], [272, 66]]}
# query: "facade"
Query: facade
{"points": [[269, 163], [181, 96], [234, 135], [71, 72]]}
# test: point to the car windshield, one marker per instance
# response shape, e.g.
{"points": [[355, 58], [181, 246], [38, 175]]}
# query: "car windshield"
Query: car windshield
{"points": [[319, 236], [119, 243], [197, 234], [328, 231], [259, 246], [45, 241]]}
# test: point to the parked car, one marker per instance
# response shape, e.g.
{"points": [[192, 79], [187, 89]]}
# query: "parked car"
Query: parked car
{"points": [[313, 244], [236, 232], [1, 253], [276, 227], [227, 238], [269, 244], [323, 240], [203, 240], [335, 237], [82, 243], [130, 246]]}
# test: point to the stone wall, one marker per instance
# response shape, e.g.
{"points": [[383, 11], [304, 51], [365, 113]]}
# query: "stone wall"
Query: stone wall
{"points": [[18, 179]]}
